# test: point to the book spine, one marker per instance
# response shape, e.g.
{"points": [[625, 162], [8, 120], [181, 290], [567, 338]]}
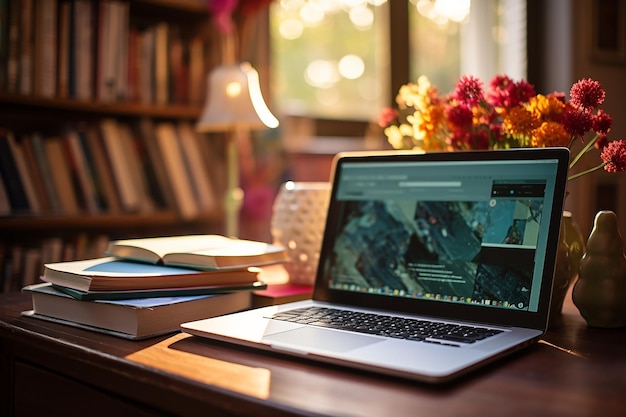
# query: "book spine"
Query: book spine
{"points": [[36, 143], [13, 46], [45, 48], [4, 43], [10, 174], [63, 48], [26, 47]]}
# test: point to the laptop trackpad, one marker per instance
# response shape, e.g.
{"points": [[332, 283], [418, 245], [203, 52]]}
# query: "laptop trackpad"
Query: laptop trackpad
{"points": [[316, 338]]}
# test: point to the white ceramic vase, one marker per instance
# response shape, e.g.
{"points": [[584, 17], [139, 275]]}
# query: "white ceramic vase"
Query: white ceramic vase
{"points": [[298, 220]]}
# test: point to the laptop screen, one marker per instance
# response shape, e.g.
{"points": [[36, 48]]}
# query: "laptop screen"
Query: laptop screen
{"points": [[466, 229]]}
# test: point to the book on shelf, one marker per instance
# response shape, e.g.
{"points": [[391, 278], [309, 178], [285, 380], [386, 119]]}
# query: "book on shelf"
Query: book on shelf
{"points": [[13, 182], [60, 174], [199, 176], [120, 166], [26, 45], [174, 165], [101, 169], [113, 274], [134, 318], [207, 252], [5, 204], [82, 172], [38, 173], [45, 48], [13, 49], [158, 180]]}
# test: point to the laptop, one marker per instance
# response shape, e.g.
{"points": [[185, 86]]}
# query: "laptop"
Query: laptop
{"points": [[431, 265]]}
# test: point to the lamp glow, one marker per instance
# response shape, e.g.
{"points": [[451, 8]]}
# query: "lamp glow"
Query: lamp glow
{"points": [[234, 104]]}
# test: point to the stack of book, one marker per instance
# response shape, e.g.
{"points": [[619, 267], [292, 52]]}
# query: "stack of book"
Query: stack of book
{"points": [[147, 287]]}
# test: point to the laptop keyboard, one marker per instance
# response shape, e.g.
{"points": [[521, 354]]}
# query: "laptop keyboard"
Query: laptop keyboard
{"points": [[384, 325]]}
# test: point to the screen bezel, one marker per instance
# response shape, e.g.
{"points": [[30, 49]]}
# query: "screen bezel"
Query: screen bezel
{"points": [[458, 311]]}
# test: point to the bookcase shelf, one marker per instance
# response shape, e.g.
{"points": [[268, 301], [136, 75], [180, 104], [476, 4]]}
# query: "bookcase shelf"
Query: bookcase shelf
{"points": [[156, 220], [125, 71], [19, 102], [193, 6]]}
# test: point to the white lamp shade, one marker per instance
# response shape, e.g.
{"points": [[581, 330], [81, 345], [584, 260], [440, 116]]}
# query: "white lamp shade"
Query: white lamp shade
{"points": [[234, 99]]}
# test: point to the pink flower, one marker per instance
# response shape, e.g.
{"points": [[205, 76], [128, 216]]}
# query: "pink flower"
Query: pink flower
{"points": [[587, 94], [387, 116], [559, 95], [469, 90], [222, 12], [614, 155], [506, 93]]}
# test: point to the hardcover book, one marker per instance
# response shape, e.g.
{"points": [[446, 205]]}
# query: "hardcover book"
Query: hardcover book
{"points": [[113, 274], [134, 318]]}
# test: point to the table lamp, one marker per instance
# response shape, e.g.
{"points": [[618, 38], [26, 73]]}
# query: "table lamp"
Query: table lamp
{"points": [[234, 104]]}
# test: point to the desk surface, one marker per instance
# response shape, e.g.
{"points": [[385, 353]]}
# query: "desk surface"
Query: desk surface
{"points": [[575, 371]]}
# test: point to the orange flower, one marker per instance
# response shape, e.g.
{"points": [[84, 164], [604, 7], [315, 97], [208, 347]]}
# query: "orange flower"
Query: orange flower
{"points": [[509, 115]]}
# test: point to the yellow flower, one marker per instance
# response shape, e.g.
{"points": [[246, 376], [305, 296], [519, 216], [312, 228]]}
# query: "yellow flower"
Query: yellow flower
{"points": [[520, 123], [546, 108], [550, 134]]}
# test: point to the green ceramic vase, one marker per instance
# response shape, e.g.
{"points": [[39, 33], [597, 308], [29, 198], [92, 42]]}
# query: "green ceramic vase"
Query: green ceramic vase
{"points": [[600, 292]]}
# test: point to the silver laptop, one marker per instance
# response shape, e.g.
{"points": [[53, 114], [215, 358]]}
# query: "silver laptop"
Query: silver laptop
{"points": [[431, 265]]}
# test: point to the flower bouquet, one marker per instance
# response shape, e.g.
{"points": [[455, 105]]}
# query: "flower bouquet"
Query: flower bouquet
{"points": [[509, 114]]}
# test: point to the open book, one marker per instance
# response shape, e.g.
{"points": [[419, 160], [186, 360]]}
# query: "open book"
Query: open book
{"points": [[198, 251]]}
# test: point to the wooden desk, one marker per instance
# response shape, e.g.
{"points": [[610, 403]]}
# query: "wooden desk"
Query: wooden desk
{"points": [[54, 370]]}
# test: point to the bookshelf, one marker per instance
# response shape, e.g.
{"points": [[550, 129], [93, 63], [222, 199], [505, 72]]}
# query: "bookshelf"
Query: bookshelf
{"points": [[100, 79]]}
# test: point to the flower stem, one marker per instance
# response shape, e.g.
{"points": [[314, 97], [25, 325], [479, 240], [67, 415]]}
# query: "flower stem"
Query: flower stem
{"points": [[587, 171], [584, 151]]}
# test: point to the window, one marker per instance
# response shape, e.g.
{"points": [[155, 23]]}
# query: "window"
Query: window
{"points": [[345, 59]]}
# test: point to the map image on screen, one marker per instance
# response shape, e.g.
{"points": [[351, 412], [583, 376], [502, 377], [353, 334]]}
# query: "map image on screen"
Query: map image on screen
{"points": [[459, 251]]}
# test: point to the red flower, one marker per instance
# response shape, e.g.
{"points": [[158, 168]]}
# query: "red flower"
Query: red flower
{"points": [[601, 142], [460, 116], [587, 94], [576, 122], [506, 93], [478, 140], [602, 122], [614, 155], [559, 95], [469, 90]]}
